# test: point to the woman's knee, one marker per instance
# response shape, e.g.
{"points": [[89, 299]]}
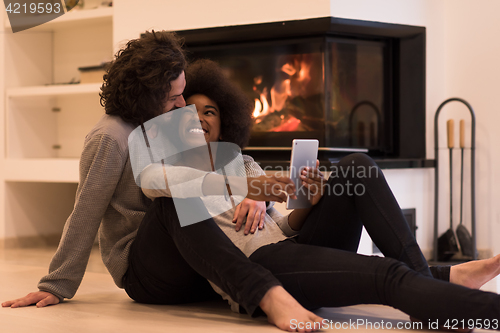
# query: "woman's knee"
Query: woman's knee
{"points": [[357, 159], [163, 203], [165, 210], [355, 167]]}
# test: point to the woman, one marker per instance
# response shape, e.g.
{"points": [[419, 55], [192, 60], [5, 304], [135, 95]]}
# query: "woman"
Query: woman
{"points": [[319, 267]]}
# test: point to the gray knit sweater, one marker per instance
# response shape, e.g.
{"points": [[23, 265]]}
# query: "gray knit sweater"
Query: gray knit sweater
{"points": [[109, 202]]}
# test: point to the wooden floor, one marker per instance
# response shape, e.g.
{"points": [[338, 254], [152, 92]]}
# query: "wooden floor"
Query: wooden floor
{"points": [[99, 306]]}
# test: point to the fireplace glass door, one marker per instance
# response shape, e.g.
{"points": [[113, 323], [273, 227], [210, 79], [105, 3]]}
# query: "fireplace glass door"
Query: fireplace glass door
{"points": [[330, 89]]}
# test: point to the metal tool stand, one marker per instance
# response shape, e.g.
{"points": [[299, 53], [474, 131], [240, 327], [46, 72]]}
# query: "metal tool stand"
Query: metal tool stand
{"points": [[472, 176]]}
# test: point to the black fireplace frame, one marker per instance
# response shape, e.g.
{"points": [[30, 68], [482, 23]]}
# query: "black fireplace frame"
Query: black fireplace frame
{"points": [[407, 49]]}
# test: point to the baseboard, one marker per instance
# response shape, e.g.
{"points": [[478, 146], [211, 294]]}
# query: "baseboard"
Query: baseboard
{"points": [[484, 253], [30, 241], [481, 254]]}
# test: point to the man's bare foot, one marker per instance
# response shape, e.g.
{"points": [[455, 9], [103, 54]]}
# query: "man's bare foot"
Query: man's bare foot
{"points": [[474, 274], [286, 313]]}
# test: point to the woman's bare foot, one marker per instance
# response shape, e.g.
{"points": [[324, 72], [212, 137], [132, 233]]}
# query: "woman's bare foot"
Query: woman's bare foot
{"points": [[474, 274], [286, 313]]}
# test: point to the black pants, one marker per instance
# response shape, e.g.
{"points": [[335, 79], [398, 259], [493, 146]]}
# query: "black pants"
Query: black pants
{"points": [[170, 264], [320, 267]]}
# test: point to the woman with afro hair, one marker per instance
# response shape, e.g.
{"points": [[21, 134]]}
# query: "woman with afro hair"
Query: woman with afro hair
{"points": [[312, 251]]}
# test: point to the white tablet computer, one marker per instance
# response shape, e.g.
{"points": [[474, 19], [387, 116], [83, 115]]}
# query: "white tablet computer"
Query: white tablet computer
{"points": [[304, 154]]}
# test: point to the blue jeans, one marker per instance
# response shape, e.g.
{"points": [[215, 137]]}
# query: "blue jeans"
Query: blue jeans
{"points": [[321, 269]]}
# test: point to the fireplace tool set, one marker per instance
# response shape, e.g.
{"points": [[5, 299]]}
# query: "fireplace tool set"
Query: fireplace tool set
{"points": [[446, 245]]}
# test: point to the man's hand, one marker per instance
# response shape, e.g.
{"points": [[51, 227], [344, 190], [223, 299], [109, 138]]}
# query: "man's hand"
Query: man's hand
{"points": [[40, 298], [270, 188], [254, 211]]}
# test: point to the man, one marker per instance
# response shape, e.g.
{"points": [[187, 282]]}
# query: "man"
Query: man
{"points": [[142, 244]]}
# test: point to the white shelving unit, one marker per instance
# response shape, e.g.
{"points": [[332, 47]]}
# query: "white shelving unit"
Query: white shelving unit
{"points": [[50, 121], [53, 90], [47, 118], [51, 170], [72, 19]]}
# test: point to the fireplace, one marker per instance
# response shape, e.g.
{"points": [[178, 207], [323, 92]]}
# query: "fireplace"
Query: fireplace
{"points": [[348, 83]]}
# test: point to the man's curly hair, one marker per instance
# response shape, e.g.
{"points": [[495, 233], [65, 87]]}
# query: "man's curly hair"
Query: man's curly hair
{"points": [[206, 77], [138, 80]]}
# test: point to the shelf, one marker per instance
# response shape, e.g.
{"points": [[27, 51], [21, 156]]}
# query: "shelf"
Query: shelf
{"points": [[73, 19], [54, 90], [52, 170], [284, 163], [44, 122]]}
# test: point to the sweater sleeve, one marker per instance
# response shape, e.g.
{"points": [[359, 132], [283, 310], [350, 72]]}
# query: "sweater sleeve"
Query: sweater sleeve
{"points": [[101, 166], [282, 222], [171, 181]]}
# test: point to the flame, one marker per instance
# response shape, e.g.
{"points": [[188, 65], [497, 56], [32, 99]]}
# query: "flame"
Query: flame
{"points": [[265, 104], [258, 108], [261, 105], [290, 125], [288, 69], [280, 93], [257, 80]]}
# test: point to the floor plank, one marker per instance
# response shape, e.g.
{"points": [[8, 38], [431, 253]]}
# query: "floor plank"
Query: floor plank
{"points": [[100, 306]]}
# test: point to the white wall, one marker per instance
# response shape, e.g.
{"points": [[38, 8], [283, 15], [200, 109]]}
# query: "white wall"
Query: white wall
{"points": [[2, 118], [473, 72], [133, 17]]}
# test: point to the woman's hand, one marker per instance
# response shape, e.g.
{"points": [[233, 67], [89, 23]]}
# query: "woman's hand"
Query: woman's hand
{"points": [[40, 298], [314, 181], [270, 188], [254, 211]]}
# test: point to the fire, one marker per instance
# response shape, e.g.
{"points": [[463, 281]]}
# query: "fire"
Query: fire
{"points": [[297, 76], [261, 105], [288, 69], [258, 108], [290, 125], [280, 93]]}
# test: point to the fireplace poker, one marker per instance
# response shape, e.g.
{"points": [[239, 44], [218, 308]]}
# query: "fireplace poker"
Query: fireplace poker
{"points": [[451, 144], [447, 242], [463, 235], [462, 146]]}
